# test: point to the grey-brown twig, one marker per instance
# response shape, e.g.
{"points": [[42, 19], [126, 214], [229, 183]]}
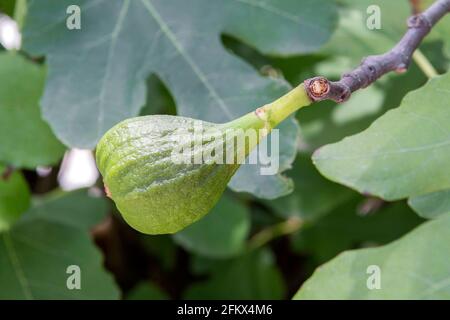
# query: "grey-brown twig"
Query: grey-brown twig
{"points": [[373, 67]]}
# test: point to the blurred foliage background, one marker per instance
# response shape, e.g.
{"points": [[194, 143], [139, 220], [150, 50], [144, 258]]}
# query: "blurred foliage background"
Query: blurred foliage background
{"points": [[254, 244]]}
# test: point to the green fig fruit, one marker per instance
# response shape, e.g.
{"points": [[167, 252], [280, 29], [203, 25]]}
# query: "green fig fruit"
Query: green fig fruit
{"points": [[166, 172]]}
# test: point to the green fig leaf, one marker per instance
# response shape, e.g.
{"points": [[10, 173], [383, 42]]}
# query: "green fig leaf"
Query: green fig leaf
{"points": [[348, 226], [251, 276], [404, 153], [146, 291], [440, 31], [407, 269], [361, 41], [431, 205], [14, 198], [314, 196], [97, 74], [162, 248], [7, 7], [76, 209], [221, 234], [26, 141], [38, 252]]}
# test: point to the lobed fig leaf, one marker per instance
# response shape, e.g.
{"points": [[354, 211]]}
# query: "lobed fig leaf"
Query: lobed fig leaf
{"points": [[166, 172]]}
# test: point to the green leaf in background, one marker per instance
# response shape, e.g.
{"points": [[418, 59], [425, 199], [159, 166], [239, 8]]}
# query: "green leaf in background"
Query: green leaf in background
{"points": [[251, 276], [359, 40], [220, 234], [431, 205], [7, 7], [441, 31], [314, 195], [404, 153], [146, 291], [14, 198], [159, 100], [349, 226], [26, 141], [97, 74], [160, 247], [201, 265], [77, 209], [413, 267], [36, 252]]}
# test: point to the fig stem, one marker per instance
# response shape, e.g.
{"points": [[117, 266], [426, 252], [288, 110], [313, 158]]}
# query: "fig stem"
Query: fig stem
{"points": [[272, 114], [283, 107]]}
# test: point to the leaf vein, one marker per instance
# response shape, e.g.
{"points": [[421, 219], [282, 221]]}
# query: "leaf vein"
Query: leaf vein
{"points": [[198, 72], [115, 34], [17, 266]]}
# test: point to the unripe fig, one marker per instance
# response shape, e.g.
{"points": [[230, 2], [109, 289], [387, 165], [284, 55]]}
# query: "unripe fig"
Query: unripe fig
{"points": [[166, 172]]}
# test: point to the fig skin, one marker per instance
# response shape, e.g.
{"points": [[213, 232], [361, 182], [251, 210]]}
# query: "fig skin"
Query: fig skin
{"points": [[154, 193]]}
